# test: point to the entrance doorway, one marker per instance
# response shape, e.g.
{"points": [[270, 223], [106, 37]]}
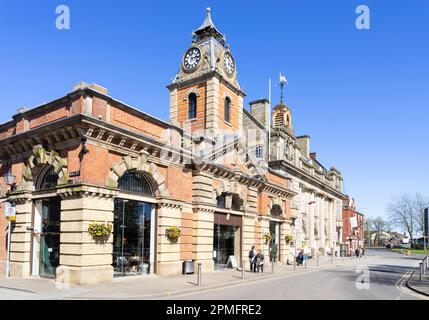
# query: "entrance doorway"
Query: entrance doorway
{"points": [[46, 248], [226, 239], [133, 240]]}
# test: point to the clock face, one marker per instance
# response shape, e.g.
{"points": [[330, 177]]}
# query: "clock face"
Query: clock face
{"points": [[192, 58], [229, 64]]}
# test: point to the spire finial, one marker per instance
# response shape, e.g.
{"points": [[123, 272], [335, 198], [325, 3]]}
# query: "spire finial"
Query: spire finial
{"points": [[282, 83]]}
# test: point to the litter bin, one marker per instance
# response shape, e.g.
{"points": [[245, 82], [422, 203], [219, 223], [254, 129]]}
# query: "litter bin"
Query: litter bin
{"points": [[188, 267]]}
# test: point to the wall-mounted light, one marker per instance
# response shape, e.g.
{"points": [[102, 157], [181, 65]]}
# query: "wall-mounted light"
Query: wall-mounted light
{"points": [[9, 177]]}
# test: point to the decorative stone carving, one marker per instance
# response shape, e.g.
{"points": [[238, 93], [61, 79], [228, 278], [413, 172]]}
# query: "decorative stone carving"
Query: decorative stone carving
{"points": [[41, 157], [139, 164]]}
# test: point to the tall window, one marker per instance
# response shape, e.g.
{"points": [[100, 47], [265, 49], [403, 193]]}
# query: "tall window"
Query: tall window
{"points": [[192, 106], [135, 182], [227, 109], [221, 201], [276, 210], [47, 179]]}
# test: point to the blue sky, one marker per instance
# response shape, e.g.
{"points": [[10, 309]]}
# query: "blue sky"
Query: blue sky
{"points": [[362, 95]]}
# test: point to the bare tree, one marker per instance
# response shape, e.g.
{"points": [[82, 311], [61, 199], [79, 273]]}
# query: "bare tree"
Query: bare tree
{"points": [[376, 225], [420, 203], [402, 214]]}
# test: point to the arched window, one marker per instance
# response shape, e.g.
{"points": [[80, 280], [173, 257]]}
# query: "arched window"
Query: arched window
{"points": [[227, 109], [47, 179], [136, 182], [192, 106], [276, 210]]}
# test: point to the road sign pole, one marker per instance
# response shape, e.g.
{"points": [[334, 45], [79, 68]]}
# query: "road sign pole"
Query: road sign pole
{"points": [[8, 249]]}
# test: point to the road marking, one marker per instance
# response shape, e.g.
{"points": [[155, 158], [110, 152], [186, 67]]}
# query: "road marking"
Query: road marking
{"points": [[401, 285]]}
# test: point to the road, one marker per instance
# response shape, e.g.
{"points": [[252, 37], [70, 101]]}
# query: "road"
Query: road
{"points": [[383, 277]]}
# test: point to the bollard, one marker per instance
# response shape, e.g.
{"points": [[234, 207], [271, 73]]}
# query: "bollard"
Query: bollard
{"points": [[421, 271], [199, 273], [242, 269], [305, 262], [332, 256], [272, 267], [317, 260]]}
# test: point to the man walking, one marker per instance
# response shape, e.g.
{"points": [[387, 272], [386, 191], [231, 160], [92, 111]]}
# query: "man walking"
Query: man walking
{"points": [[252, 259]]}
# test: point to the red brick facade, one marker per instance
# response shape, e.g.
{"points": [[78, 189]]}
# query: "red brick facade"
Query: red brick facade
{"points": [[353, 237]]}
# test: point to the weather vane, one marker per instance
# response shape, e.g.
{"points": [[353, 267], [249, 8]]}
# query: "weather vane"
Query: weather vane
{"points": [[282, 83]]}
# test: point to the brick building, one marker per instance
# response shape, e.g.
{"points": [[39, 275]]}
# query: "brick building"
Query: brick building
{"points": [[353, 227], [209, 172]]}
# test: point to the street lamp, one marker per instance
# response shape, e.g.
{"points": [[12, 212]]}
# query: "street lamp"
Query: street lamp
{"points": [[9, 178]]}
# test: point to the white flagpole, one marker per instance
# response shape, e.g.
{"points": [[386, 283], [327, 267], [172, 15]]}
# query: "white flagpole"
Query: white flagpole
{"points": [[269, 120]]}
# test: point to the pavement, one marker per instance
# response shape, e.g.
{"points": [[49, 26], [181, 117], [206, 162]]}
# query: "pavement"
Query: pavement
{"points": [[415, 284], [323, 281]]}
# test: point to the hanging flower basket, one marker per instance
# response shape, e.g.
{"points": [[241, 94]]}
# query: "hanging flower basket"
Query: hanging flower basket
{"points": [[173, 233], [100, 230], [267, 237], [288, 239]]}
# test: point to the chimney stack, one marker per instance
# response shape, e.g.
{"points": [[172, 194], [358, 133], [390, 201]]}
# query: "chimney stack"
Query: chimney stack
{"points": [[260, 110]]}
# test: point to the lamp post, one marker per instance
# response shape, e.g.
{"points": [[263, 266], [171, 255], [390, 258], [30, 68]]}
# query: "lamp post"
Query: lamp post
{"points": [[9, 178]]}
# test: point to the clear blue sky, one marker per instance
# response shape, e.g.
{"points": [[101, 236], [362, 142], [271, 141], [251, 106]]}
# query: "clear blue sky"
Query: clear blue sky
{"points": [[362, 96]]}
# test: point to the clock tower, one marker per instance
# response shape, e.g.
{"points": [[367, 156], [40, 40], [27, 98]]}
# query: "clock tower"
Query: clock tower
{"points": [[205, 95]]}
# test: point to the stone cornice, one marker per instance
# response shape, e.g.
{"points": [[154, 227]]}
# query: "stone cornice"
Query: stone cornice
{"points": [[76, 191], [308, 178]]}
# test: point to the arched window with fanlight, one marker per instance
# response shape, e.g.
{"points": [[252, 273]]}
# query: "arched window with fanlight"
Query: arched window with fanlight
{"points": [[136, 182], [227, 109], [192, 106], [47, 179]]}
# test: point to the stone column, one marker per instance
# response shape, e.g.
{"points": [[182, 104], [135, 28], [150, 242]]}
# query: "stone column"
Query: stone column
{"points": [[20, 247], [83, 259], [248, 242], [322, 226], [285, 249], [203, 237], [311, 212], [264, 247], [168, 253], [212, 106]]}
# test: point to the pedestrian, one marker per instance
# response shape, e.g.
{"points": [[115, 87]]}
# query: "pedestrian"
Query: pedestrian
{"points": [[357, 253], [252, 259], [360, 252], [260, 262]]}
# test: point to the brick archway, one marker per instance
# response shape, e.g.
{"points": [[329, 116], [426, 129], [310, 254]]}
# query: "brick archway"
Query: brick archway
{"points": [[139, 164], [39, 158]]}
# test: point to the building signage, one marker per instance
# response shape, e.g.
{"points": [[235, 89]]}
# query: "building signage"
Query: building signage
{"points": [[353, 222], [74, 174], [10, 211]]}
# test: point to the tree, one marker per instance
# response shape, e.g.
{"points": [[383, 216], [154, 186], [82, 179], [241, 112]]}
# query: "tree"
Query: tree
{"points": [[375, 225], [420, 203], [402, 214]]}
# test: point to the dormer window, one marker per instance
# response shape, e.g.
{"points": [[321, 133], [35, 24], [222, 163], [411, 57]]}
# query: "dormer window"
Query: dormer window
{"points": [[192, 106], [227, 109]]}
